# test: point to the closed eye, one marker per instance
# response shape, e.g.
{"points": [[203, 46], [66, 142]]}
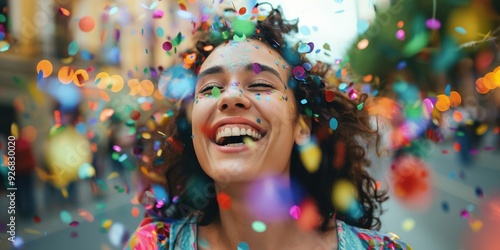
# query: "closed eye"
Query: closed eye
{"points": [[261, 85], [208, 87]]}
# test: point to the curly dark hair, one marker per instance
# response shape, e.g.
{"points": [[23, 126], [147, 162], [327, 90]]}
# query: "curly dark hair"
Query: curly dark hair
{"points": [[344, 149]]}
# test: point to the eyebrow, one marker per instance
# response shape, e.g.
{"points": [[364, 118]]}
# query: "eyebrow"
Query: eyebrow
{"points": [[249, 67]]}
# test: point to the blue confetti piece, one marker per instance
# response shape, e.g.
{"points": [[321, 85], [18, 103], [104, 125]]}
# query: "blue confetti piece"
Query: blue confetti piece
{"points": [[305, 30], [447, 90], [73, 48], [334, 124], [160, 192], [303, 101], [460, 30], [258, 120], [243, 246]]}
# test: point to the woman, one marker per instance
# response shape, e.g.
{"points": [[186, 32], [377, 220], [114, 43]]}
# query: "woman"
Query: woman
{"points": [[265, 157]]}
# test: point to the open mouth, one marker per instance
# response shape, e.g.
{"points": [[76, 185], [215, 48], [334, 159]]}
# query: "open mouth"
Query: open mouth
{"points": [[236, 135]]}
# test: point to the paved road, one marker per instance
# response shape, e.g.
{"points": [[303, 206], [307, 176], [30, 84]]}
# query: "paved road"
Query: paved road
{"points": [[434, 229]]}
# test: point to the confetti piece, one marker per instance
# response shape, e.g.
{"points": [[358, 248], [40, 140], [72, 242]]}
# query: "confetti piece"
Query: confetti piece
{"points": [[85, 215], [476, 225], [215, 92], [363, 44], [135, 211], [65, 216], [63, 11], [464, 213], [80, 77], [224, 200], [310, 154], [116, 234], [4, 46], [86, 24], [14, 130], [295, 212], [86, 171], [256, 68], [135, 115], [333, 123], [74, 223], [37, 219], [445, 206], [167, 46], [65, 74], [460, 30], [73, 48], [243, 246], [329, 96], [32, 231], [45, 66], [106, 113], [433, 24], [400, 35], [408, 224], [259, 226]]}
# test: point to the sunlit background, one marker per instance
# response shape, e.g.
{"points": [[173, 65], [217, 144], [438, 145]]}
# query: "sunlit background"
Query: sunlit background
{"points": [[78, 77]]}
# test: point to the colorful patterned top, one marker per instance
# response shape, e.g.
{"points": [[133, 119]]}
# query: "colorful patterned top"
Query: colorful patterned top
{"points": [[159, 235]]}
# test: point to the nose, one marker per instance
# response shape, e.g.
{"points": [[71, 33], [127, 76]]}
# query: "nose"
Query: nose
{"points": [[233, 99]]}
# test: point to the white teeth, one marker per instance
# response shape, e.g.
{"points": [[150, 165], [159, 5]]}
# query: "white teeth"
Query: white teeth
{"points": [[236, 131], [234, 144]]}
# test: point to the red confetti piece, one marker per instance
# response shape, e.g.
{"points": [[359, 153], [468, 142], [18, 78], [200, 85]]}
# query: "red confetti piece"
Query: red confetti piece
{"points": [[329, 95], [445, 152], [74, 223], [224, 200], [74, 234], [37, 219], [242, 10], [135, 115]]}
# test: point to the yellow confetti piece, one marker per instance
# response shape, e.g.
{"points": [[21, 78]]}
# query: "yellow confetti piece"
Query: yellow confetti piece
{"points": [[146, 135], [249, 142], [482, 129], [476, 225], [159, 152], [408, 224], [311, 157], [112, 175], [343, 194], [64, 193], [14, 130], [32, 231], [107, 224]]}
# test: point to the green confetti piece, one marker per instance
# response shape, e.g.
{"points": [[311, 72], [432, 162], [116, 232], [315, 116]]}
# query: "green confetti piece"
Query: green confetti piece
{"points": [[417, 43], [215, 92], [243, 27], [3, 18], [146, 70], [239, 38], [160, 32], [326, 46], [177, 40], [65, 216], [361, 105], [73, 48], [259, 226]]}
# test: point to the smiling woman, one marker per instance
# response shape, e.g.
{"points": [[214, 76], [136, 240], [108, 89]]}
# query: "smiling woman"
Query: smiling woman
{"points": [[266, 155]]}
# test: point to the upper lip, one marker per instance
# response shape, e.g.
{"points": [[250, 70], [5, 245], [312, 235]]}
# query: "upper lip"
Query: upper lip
{"points": [[234, 120]]}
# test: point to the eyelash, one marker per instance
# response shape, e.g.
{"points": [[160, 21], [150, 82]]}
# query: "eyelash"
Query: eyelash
{"points": [[210, 86]]}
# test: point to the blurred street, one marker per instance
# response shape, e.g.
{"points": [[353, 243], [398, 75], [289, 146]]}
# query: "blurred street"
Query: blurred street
{"points": [[441, 226]]}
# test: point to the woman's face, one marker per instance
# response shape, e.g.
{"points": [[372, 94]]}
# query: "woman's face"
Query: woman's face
{"points": [[244, 117]]}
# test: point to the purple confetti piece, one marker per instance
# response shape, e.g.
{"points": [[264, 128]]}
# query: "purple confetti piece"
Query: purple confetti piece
{"points": [[256, 68]]}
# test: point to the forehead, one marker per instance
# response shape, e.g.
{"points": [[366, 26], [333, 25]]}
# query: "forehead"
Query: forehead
{"points": [[235, 54]]}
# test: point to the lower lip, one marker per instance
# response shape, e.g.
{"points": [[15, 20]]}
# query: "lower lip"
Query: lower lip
{"points": [[233, 149]]}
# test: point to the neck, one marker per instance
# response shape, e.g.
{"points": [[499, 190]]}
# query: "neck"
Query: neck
{"points": [[257, 215]]}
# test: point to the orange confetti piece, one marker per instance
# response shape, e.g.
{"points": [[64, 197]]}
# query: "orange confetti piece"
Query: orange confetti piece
{"points": [[65, 74], [480, 87], [455, 99], [104, 96], [64, 11], [224, 200], [135, 211], [45, 66], [443, 103], [456, 146], [80, 77], [106, 113]]}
